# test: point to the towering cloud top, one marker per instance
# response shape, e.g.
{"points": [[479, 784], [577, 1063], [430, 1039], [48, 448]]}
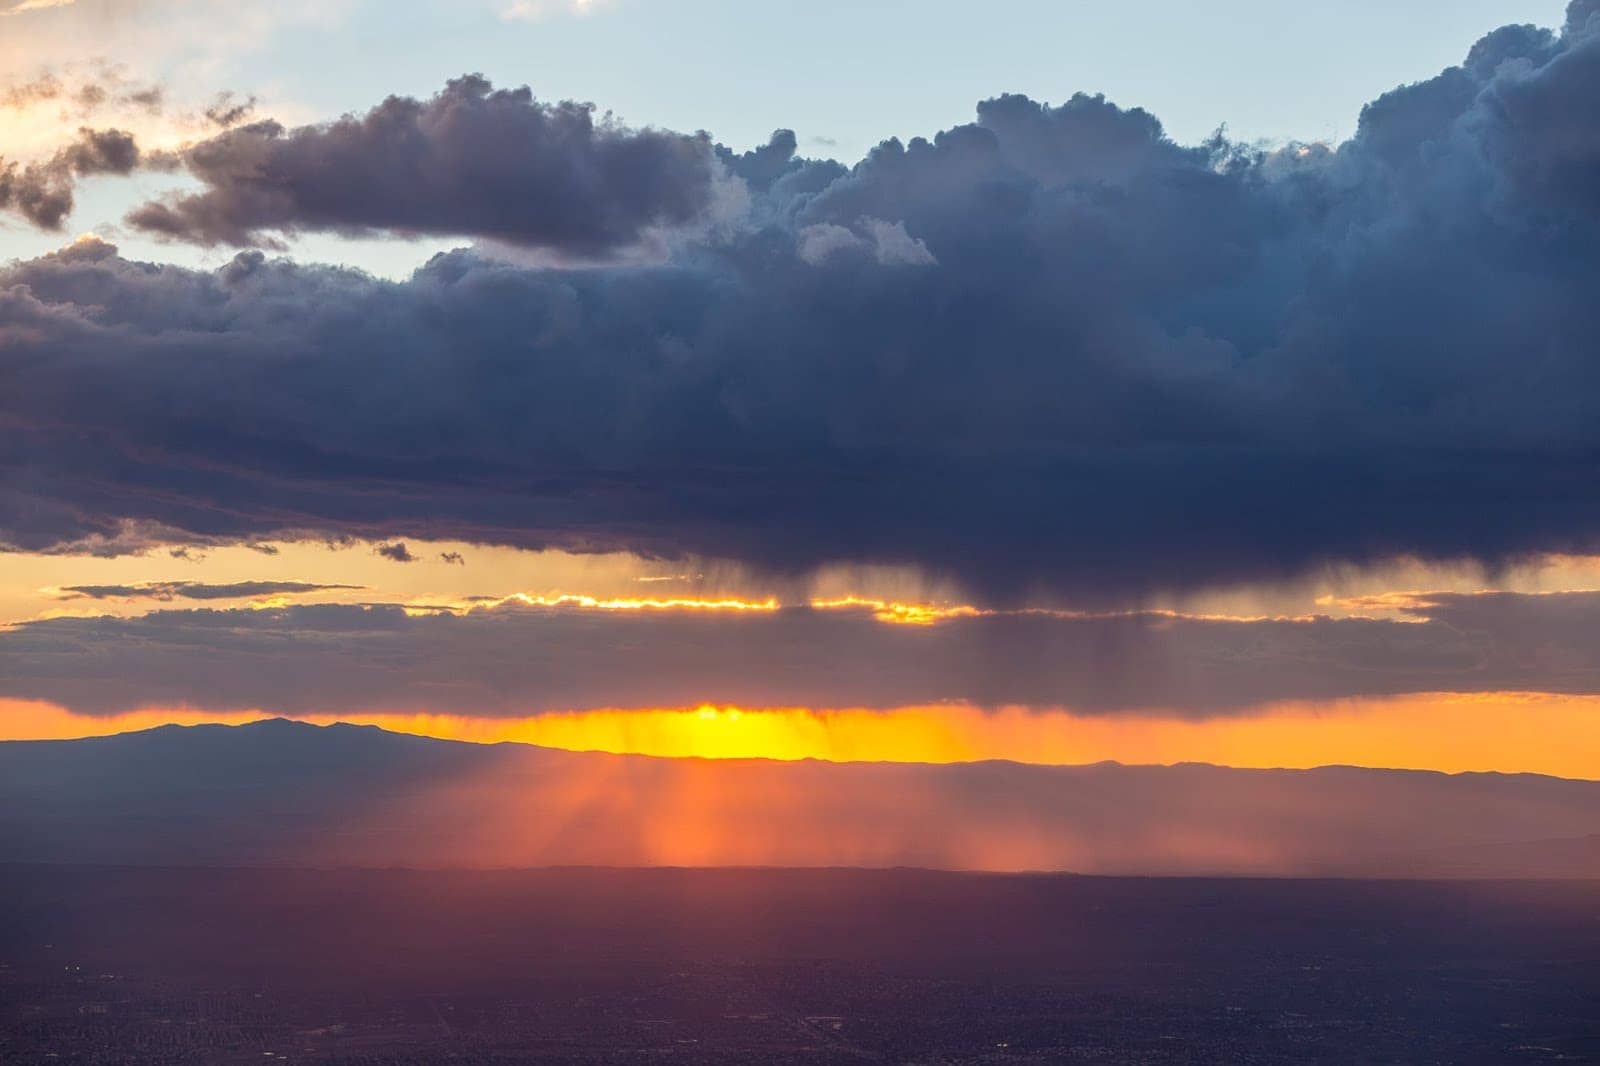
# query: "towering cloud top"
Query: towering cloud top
{"points": [[1048, 348]]}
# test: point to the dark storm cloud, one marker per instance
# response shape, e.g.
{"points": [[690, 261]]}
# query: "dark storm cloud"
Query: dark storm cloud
{"points": [[471, 161], [515, 659], [1048, 349], [43, 192], [195, 590]]}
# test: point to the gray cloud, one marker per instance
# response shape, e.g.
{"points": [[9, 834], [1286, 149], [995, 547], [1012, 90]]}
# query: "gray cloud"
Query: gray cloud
{"points": [[45, 86], [515, 659], [397, 552], [471, 161], [229, 109], [43, 192], [81, 90]]}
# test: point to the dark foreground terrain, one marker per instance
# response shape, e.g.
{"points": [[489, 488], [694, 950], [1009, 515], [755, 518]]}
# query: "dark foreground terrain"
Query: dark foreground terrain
{"points": [[102, 964]]}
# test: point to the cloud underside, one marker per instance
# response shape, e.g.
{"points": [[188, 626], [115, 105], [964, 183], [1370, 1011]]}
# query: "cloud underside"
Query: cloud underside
{"points": [[524, 660], [1048, 350]]}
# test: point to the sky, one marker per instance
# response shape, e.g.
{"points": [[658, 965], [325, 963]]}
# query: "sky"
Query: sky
{"points": [[940, 382]]}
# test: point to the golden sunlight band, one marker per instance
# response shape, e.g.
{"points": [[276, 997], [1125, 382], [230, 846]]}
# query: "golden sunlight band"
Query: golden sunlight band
{"points": [[1505, 732]]}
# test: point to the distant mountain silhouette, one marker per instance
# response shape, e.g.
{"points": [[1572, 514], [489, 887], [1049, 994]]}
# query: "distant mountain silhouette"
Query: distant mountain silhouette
{"points": [[287, 793]]}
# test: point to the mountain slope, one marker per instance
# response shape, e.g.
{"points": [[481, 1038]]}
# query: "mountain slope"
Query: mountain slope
{"points": [[284, 793]]}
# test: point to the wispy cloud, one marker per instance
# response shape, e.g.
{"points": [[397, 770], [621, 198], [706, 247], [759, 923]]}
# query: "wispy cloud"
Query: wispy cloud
{"points": [[196, 590], [19, 7], [537, 10]]}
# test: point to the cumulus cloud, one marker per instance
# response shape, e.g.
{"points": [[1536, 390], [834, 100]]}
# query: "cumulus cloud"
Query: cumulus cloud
{"points": [[122, 123], [396, 552], [517, 659], [1046, 350], [471, 161], [43, 192]]}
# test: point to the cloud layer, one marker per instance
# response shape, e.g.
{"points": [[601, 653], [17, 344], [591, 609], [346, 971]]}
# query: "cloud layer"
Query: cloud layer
{"points": [[1050, 349], [514, 660]]}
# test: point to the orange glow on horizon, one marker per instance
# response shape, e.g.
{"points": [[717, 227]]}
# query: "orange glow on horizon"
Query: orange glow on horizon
{"points": [[890, 611], [1508, 732], [619, 603], [915, 614]]}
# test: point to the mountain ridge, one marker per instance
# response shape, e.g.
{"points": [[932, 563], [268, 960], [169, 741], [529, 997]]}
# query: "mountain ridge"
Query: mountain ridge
{"points": [[285, 793], [370, 728]]}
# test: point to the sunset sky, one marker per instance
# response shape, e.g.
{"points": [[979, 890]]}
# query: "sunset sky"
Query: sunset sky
{"points": [[789, 403]]}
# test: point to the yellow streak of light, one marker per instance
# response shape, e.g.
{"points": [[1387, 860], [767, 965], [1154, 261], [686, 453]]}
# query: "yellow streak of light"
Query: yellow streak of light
{"points": [[684, 603], [1509, 732], [916, 614]]}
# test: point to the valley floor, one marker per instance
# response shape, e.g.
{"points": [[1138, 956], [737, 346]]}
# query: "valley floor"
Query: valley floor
{"points": [[128, 965]]}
